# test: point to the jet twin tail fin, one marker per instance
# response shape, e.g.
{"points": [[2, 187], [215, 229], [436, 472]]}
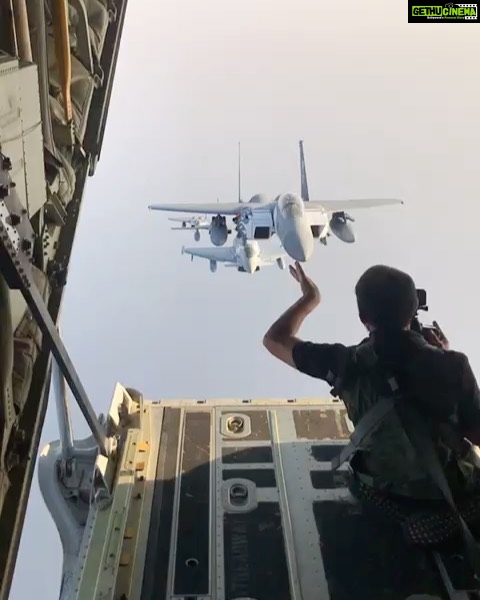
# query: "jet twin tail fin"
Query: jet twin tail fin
{"points": [[303, 175]]}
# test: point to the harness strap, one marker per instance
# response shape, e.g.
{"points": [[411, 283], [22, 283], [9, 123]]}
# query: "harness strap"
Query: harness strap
{"points": [[373, 417], [364, 428]]}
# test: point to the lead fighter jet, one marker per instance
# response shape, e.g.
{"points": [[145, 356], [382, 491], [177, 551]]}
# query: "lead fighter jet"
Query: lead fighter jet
{"points": [[295, 219]]}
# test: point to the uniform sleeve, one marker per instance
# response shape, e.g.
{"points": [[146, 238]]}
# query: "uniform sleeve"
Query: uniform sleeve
{"points": [[469, 405], [322, 361]]}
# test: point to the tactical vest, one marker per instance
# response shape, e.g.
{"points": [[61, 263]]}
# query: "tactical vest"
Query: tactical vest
{"points": [[386, 458], [392, 418]]}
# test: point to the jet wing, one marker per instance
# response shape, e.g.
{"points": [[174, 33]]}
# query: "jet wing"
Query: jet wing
{"points": [[339, 205], [191, 227], [216, 254], [270, 259], [230, 208], [190, 220]]}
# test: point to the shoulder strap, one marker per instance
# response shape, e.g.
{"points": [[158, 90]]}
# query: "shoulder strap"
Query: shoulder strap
{"points": [[363, 356], [363, 430]]}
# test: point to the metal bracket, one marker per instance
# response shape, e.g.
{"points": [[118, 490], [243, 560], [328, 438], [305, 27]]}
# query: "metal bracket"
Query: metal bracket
{"points": [[239, 496], [15, 266]]}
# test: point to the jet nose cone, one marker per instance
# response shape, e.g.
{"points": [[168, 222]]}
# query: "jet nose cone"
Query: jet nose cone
{"points": [[300, 254], [298, 247]]}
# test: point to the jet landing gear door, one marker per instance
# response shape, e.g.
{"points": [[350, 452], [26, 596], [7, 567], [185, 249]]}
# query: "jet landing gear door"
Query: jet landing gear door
{"points": [[259, 225]]}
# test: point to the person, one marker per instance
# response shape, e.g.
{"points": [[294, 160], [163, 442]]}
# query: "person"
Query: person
{"points": [[441, 379]]}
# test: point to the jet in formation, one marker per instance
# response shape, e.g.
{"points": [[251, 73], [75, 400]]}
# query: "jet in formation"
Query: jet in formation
{"points": [[295, 219], [244, 255], [194, 223]]}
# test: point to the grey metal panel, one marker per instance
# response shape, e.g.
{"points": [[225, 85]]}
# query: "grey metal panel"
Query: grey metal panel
{"points": [[217, 521], [277, 431], [21, 131], [154, 422], [294, 459], [160, 526], [293, 516]]}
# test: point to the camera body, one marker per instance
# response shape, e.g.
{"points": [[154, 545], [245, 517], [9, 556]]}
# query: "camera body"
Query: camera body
{"points": [[422, 299], [422, 305]]}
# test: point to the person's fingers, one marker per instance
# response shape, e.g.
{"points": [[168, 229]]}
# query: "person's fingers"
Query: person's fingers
{"points": [[440, 334], [300, 271], [432, 337], [293, 272]]}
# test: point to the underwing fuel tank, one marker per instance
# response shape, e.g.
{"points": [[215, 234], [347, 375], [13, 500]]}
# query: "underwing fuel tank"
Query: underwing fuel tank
{"points": [[219, 231], [213, 266], [341, 228]]}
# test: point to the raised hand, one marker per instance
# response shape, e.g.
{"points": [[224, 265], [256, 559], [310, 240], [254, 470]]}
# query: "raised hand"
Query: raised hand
{"points": [[309, 290], [436, 337]]}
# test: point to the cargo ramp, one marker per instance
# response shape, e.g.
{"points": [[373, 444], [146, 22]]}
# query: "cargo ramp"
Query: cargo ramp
{"points": [[227, 500]]}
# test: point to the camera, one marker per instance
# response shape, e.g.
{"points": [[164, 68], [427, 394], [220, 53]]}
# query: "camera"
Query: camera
{"points": [[422, 300], [422, 305]]}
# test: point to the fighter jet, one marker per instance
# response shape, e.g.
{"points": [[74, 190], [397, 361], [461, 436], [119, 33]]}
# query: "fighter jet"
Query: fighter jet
{"points": [[188, 223], [245, 255], [296, 220], [217, 227]]}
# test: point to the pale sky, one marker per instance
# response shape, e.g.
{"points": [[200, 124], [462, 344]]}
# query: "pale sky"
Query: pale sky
{"points": [[385, 108]]}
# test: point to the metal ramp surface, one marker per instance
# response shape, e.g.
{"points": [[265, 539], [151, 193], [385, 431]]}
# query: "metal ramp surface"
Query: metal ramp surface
{"points": [[246, 506], [231, 500]]}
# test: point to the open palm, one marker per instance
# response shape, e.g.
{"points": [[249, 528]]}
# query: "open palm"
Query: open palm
{"points": [[309, 289]]}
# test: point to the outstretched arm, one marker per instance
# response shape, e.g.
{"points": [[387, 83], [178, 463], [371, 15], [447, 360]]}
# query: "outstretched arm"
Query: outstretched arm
{"points": [[281, 337]]}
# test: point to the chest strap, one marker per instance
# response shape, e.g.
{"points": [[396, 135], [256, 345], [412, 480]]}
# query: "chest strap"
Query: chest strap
{"points": [[364, 428]]}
